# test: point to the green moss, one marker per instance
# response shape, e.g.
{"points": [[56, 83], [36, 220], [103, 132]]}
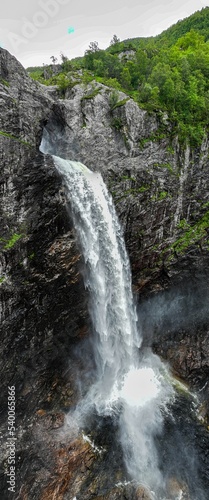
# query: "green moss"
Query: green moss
{"points": [[120, 103], [160, 196], [158, 136], [134, 191], [4, 82], [31, 256], [116, 123], [164, 165], [142, 189], [183, 224], [170, 150], [11, 242], [91, 94], [143, 142], [126, 177], [206, 205], [155, 247], [192, 235], [2, 279], [10, 136]]}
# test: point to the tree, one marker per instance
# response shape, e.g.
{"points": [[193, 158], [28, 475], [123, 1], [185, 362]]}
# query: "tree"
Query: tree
{"points": [[66, 64], [191, 41], [114, 40], [93, 47], [113, 99], [126, 78], [63, 57], [89, 55], [54, 59], [63, 83]]}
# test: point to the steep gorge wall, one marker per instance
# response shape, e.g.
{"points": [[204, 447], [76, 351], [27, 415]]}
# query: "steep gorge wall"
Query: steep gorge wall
{"points": [[42, 293], [160, 189]]}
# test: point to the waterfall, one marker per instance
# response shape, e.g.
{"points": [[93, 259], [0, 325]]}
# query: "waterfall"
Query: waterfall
{"points": [[108, 277], [135, 385]]}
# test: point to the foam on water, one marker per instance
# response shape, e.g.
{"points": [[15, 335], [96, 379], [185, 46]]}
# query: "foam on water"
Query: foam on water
{"points": [[140, 386]]}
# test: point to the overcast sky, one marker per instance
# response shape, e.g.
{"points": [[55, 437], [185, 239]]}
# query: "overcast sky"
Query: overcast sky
{"points": [[34, 30]]}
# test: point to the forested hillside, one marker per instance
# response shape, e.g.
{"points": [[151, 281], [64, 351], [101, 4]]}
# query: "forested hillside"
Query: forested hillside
{"points": [[166, 73]]}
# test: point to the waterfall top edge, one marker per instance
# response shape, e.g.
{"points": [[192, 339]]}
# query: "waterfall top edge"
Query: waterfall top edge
{"points": [[77, 165]]}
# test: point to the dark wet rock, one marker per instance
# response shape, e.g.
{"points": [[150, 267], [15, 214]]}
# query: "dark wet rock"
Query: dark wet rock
{"points": [[160, 189]]}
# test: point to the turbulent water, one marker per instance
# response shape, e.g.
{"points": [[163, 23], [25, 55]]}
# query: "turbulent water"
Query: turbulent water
{"points": [[134, 386]]}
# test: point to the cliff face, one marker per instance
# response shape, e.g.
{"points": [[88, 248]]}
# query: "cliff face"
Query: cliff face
{"points": [[160, 189], [161, 194], [36, 234], [42, 293]]}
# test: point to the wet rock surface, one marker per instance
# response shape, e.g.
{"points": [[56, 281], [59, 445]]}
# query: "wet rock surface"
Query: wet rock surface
{"points": [[160, 190]]}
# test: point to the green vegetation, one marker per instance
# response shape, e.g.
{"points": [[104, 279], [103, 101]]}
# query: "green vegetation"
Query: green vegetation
{"points": [[183, 224], [160, 196], [2, 279], [132, 191], [92, 93], [157, 137], [142, 189], [197, 21], [109, 82], [4, 82], [170, 150], [121, 103], [127, 178], [11, 242], [114, 100], [169, 73], [164, 165], [193, 234], [10, 136], [117, 123], [63, 83]]}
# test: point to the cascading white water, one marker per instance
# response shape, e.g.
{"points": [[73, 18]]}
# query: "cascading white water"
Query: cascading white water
{"points": [[139, 389], [108, 277]]}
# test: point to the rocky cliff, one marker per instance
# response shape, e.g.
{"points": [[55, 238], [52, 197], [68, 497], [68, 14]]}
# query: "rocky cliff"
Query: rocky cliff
{"points": [[160, 189]]}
